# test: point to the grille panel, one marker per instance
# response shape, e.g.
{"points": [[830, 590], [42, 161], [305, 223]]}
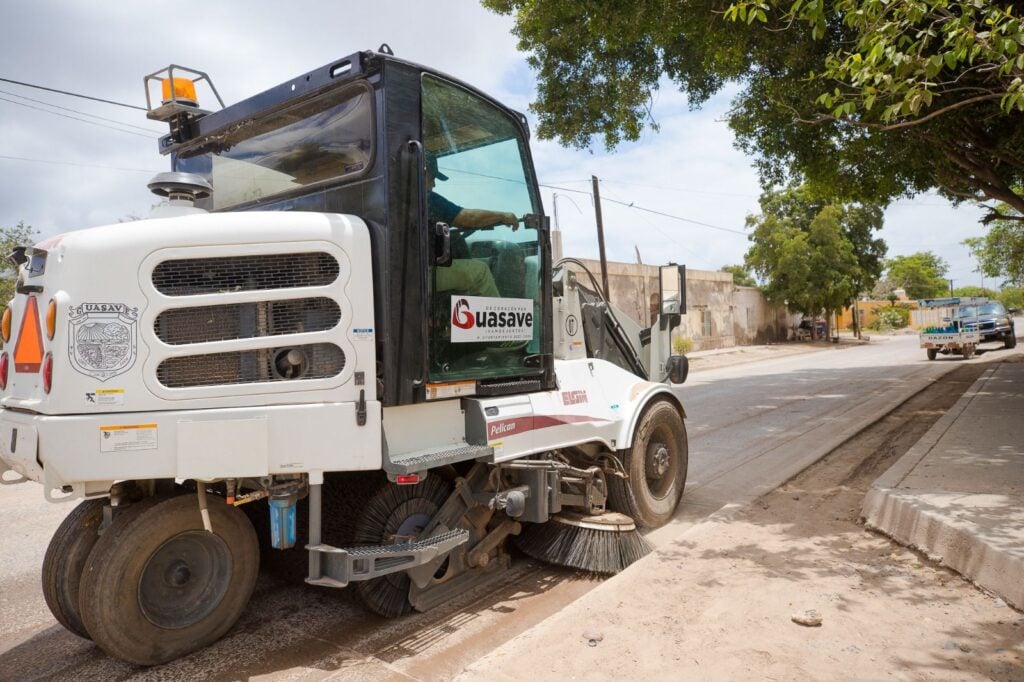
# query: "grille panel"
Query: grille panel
{"points": [[320, 361], [246, 320], [196, 276]]}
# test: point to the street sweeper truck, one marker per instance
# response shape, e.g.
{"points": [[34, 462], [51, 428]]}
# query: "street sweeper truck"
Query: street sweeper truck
{"points": [[341, 335]]}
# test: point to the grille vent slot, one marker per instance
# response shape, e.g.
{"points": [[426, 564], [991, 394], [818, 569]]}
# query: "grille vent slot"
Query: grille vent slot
{"points": [[196, 276], [320, 361], [246, 320]]}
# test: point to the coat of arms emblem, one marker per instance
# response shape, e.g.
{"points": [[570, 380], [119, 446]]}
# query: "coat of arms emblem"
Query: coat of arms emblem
{"points": [[102, 339]]}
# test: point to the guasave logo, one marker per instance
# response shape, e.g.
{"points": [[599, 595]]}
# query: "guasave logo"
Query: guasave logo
{"points": [[482, 319]]}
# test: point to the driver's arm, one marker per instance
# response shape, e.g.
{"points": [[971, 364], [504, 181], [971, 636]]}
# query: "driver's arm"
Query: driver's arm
{"points": [[478, 217]]}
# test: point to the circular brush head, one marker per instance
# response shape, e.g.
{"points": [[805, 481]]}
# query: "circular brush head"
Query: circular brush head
{"points": [[602, 543]]}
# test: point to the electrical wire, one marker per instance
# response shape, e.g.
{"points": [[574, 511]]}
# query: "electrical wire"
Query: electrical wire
{"points": [[73, 94], [75, 118], [76, 111], [80, 165]]}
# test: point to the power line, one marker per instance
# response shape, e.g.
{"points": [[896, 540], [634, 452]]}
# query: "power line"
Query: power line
{"points": [[75, 118], [73, 94], [679, 189], [651, 210], [76, 111], [72, 163]]}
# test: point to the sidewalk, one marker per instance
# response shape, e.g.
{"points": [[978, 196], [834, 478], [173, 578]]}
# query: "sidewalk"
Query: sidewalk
{"points": [[715, 602], [958, 495]]}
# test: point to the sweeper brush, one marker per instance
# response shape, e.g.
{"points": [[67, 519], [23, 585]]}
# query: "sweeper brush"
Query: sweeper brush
{"points": [[605, 543]]}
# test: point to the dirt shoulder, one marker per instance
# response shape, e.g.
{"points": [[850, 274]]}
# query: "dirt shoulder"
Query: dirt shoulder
{"points": [[718, 602]]}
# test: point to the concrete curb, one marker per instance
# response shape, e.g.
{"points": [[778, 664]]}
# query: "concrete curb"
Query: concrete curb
{"points": [[911, 518]]}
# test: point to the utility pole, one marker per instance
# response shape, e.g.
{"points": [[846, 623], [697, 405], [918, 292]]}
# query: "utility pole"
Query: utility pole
{"points": [[600, 237], [950, 287]]}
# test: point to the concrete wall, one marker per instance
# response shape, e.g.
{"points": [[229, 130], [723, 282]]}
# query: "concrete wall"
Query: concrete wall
{"points": [[737, 315]]}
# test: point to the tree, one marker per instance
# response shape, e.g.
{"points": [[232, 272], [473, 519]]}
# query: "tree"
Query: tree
{"points": [[921, 275], [10, 237], [974, 291], [740, 275], [1000, 252], [868, 100], [815, 255]]}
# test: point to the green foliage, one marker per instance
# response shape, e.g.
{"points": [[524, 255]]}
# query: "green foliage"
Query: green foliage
{"points": [[1012, 297], [682, 345], [1000, 253], [814, 255], [975, 291], [10, 237], [887, 319], [740, 275], [921, 275], [868, 99]]}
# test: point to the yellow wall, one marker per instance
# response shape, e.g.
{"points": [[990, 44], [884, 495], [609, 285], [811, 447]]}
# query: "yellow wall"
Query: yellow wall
{"points": [[867, 312]]}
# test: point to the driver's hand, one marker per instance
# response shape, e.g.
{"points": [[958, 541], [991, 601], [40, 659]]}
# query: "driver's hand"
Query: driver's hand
{"points": [[510, 219]]}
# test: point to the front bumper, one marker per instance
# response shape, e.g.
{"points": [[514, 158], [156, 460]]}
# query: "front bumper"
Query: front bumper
{"points": [[85, 454]]}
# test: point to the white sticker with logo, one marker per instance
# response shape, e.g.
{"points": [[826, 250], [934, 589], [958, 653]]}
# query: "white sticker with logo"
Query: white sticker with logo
{"points": [[480, 318], [127, 437]]}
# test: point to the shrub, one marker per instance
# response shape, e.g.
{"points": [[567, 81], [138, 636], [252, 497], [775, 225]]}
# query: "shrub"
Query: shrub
{"points": [[682, 345], [887, 319]]}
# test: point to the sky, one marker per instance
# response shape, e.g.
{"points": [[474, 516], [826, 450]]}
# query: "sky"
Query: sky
{"points": [[61, 173]]}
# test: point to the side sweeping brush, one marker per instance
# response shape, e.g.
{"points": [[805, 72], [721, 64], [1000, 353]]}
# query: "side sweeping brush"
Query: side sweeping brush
{"points": [[605, 544]]}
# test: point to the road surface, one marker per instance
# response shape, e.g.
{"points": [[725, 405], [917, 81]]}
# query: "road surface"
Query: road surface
{"points": [[751, 427]]}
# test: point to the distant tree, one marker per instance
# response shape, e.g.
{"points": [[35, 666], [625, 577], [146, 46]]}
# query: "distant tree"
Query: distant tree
{"points": [[10, 237], [814, 254], [976, 292], [921, 275], [1012, 297], [1000, 253], [740, 275]]}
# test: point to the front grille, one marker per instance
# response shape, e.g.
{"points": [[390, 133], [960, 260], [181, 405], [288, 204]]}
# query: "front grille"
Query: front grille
{"points": [[195, 276], [246, 320], [289, 363]]}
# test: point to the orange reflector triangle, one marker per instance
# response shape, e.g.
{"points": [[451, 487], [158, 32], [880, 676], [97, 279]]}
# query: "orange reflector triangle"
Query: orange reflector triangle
{"points": [[28, 352]]}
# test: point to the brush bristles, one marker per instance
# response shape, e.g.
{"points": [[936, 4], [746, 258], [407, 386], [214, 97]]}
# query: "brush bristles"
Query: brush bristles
{"points": [[597, 551]]}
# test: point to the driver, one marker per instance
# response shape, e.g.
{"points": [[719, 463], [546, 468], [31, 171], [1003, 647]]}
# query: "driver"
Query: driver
{"points": [[465, 275]]}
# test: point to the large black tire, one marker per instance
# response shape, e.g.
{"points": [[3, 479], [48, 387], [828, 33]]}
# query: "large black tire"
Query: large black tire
{"points": [[65, 560], [932, 353], [157, 586], [1010, 340], [656, 465], [395, 510]]}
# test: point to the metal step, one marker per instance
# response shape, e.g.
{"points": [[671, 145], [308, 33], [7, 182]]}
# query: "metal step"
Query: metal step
{"points": [[340, 566], [422, 460]]}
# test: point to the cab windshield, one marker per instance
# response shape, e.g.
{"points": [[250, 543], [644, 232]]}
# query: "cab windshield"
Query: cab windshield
{"points": [[314, 142], [976, 311]]}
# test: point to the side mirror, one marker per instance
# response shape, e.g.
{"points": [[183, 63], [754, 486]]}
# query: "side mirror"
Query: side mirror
{"points": [[672, 289], [678, 368]]}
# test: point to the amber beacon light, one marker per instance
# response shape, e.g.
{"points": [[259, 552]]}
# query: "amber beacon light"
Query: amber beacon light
{"points": [[5, 326], [184, 91]]}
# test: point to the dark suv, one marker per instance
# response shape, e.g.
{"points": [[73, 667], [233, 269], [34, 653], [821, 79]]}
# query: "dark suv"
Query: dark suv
{"points": [[991, 319]]}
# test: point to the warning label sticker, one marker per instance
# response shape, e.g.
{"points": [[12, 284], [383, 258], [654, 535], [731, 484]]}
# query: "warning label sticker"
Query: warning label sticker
{"points": [[106, 396], [128, 437], [482, 318]]}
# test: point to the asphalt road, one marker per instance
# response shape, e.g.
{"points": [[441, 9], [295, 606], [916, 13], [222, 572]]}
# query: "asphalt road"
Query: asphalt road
{"points": [[751, 427]]}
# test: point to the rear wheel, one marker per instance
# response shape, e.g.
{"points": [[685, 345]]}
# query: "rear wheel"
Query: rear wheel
{"points": [[967, 352], [932, 353], [396, 513], [656, 465], [158, 586], [65, 560]]}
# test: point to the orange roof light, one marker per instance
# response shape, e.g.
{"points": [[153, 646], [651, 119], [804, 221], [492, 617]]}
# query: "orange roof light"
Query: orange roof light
{"points": [[28, 351], [184, 91], [51, 319]]}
